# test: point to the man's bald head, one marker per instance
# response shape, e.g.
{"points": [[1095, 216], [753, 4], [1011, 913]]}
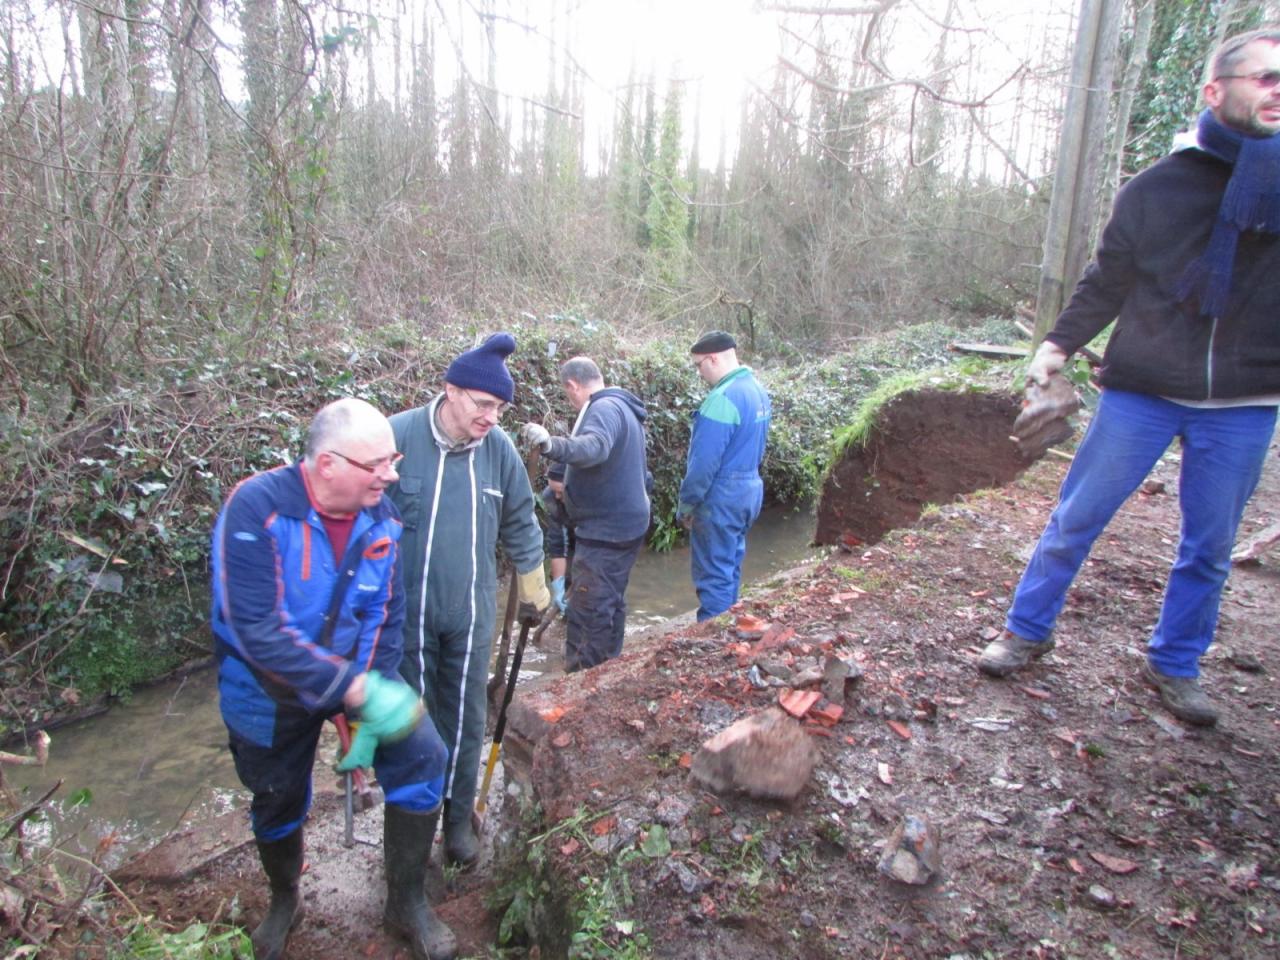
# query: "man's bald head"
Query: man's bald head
{"points": [[343, 421]]}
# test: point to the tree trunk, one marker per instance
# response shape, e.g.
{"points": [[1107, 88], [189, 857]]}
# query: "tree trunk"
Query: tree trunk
{"points": [[1072, 208], [1124, 106]]}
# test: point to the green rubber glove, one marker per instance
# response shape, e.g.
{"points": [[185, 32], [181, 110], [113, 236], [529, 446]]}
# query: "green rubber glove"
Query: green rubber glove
{"points": [[360, 756], [389, 713], [391, 708]]}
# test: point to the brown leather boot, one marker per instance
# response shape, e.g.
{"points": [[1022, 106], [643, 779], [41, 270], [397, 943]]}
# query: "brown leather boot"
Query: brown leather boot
{"points": [[1009, 652]]}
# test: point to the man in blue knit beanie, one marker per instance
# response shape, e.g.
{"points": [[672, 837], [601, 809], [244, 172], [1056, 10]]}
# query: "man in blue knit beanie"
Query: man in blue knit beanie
{"points": [[1188, 267], [463, 489]]}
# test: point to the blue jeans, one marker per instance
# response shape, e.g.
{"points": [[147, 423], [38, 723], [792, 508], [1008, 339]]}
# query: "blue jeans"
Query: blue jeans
{"points": [[1222, 456], [718, 540]]}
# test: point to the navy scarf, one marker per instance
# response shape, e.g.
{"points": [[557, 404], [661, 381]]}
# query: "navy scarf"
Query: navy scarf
{"points": [[1251, 202]]}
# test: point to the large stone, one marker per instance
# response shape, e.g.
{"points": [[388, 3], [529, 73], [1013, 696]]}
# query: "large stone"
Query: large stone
{"points": [[911, 853], [837, 676], [765, 755]]}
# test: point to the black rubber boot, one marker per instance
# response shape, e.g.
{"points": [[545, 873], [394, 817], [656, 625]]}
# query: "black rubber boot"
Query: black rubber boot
{"points": [[282, 862], [461, 847], [406, 845]]}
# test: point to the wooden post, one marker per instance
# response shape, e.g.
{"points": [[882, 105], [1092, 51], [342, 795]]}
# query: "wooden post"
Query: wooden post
{"points": [[1080, 153]]}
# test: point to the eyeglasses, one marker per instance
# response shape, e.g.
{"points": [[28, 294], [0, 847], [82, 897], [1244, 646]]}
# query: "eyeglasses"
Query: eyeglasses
{"points": [[374, 466], [697, 364], [487, 406], [1265, 79]]}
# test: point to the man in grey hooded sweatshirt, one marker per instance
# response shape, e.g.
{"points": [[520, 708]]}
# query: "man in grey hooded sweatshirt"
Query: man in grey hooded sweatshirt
{"points": [[606, 497]]}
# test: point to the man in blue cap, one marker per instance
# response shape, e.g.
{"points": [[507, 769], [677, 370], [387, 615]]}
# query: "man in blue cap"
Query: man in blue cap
{"points": [[462, 490], [722, 491]]}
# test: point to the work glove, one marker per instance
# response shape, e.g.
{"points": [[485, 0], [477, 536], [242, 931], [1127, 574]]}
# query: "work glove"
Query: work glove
{"points": [[536, 435], [390, 711], [535, 598], [1043, 420], [684, 517], [1049, 359], [557, 594]]}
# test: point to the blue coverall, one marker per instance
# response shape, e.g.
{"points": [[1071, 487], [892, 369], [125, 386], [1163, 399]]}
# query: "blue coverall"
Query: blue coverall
{"points": [[722, 490]]}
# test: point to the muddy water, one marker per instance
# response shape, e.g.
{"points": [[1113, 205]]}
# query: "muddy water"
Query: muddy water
{"points": [[148, 764]]}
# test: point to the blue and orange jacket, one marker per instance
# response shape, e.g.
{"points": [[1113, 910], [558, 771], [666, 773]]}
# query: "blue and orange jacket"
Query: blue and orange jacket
{"points": [[729, 434], [273, 576]]}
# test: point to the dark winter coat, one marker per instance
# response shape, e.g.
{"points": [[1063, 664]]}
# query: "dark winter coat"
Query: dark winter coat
{"points": [[1161, 222]]}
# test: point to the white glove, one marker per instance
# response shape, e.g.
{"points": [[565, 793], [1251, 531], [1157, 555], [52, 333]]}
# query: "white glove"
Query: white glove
{"points": [[1048, 360], [536, 435]]}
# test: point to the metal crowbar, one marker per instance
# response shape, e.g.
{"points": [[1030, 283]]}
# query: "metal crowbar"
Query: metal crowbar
{"points": [[353, 782], [500, 727]]}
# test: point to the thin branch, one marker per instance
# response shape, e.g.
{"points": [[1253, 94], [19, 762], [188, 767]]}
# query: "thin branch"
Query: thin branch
{"points": [[1008, 158], [920, 85], [550, 108], [863, 11]]}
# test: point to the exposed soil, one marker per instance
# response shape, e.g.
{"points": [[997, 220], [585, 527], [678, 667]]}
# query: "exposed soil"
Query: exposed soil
{"points": [[926, 447], [1076, 817]]}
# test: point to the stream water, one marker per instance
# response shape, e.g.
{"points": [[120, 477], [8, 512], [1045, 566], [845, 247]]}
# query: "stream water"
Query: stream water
{"points": [[142, 767]]}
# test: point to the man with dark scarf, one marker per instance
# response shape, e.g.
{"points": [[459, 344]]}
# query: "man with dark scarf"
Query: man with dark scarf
{"points": [[1189, 268]]}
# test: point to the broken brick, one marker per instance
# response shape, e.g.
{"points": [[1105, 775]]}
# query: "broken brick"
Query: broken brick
{"points": [[773, 637], [828, 714], [552, 714], [798, 702], [604, 825]]}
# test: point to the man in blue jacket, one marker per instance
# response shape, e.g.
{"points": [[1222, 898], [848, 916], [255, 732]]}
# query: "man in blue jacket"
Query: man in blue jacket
{"points": [[308, 607], [1188, 267], [722, 491], [607, 502]]}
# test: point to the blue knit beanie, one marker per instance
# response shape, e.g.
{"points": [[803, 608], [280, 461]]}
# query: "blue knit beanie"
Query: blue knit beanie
{"points": [[485, 368]]}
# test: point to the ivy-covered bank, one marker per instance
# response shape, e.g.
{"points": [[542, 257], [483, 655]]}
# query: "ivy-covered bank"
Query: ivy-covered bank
{"points": [[105, 525]]}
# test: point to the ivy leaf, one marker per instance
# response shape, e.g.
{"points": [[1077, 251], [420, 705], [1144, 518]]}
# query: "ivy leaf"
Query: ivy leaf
{"points": [[656, 844]]}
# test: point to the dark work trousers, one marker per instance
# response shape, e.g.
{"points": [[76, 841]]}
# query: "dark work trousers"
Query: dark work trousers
{"points": [[597, 615], [410, 771]]}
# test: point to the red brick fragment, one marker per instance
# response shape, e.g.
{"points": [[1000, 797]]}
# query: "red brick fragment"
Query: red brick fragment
{"points": [[828, 714], [798, 702], [604, 825], [900, 729], [773, 637]]}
